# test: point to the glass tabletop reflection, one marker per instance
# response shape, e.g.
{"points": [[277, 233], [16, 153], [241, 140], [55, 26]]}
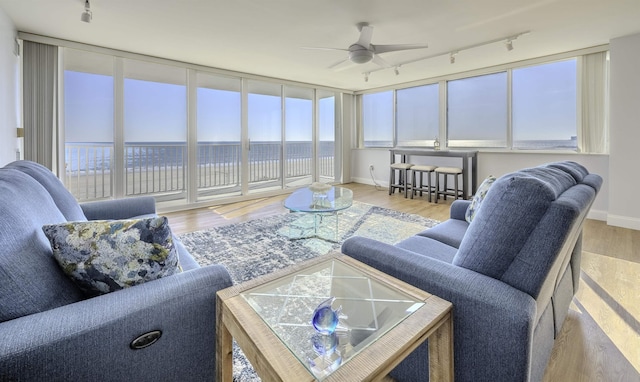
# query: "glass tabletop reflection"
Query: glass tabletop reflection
{"points": [[305, 200], [366, 309]]}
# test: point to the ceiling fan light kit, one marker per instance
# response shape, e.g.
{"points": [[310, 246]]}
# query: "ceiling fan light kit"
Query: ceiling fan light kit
{"points": [[359, 54]]}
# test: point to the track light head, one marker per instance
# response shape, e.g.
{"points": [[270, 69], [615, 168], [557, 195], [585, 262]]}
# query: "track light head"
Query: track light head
{"points": [[509, 45], [396, 71], [86, 15], [452, 57]]}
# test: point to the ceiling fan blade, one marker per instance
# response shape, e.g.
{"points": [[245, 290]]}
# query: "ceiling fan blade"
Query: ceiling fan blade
{"points": [[381, 62], [394, 48], [337, 64], [366, 32], [342, 65], [322, 48]]}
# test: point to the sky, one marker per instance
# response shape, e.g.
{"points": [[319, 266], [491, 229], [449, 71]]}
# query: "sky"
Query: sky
{"points": [[544, 106], [157, 112]]}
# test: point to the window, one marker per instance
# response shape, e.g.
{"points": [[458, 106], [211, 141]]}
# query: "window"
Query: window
{"points": [[544, 106], [477, 111], [219, 130], [265, 135], [88, 124], [417, 115], [155, 128], [298, 136], [377, 119], [129, 124], [327, 133]]}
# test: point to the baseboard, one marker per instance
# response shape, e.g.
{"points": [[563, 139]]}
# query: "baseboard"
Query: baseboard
{"points": [[597, 215], [369, 182], [623, 221]]}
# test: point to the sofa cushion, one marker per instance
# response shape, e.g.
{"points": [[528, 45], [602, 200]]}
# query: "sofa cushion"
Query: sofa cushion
{"points": [[476, 202], [30, 279], [449, 232], [576, 170], [550, 244], [428, 247], [104, 256], [66, 202], [520, 199]]}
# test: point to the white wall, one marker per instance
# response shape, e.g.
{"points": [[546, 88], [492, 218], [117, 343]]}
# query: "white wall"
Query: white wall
{"points": [[8, 91], [624, 209]]}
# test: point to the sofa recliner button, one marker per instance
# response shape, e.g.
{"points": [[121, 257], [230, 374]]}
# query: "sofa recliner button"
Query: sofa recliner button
{"points": [[146, 340]]}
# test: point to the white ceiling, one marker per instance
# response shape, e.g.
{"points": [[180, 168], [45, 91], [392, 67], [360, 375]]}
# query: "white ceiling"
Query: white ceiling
{"points": [[265, 37]]}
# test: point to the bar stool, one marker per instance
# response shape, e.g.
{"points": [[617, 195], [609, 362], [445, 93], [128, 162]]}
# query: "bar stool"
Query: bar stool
{"points": [[419, 186], [448, 171], [403, 177]]}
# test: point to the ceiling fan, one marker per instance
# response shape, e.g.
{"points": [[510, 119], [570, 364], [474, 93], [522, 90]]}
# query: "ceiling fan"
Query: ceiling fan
{"points": [[363, 51]]}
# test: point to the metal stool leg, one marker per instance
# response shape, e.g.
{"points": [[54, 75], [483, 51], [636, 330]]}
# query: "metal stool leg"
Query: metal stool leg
{"points": [[437, 186], [406, 182], [455, 186], [392, 178], [428, 185]]}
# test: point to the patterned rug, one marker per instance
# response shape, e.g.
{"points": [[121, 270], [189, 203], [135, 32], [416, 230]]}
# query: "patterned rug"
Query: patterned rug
{"points": [[261, 246]]}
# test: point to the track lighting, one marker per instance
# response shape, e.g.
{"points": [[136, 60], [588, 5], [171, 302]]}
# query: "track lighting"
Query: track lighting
{"points": [[86, 15], [509, 45], [507, 40], [396, 71]]}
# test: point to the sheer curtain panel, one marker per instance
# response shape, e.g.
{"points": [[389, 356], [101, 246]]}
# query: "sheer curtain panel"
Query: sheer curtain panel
{"points": [[594, 134]]}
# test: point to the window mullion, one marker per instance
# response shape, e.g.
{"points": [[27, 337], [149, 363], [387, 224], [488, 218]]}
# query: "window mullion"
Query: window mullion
{"points": [[509, 101], [119, 161]]}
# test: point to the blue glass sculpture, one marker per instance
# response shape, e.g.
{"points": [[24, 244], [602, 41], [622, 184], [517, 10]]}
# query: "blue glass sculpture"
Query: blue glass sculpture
{"points": [[325, 341], [325, 319], [324, 344]]}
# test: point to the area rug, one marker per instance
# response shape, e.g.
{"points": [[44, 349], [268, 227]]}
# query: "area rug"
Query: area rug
{"points": [[257, 247]]}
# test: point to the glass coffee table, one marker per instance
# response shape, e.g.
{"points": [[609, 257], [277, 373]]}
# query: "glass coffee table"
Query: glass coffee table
{"points": [[319, 206], [381, 319]]}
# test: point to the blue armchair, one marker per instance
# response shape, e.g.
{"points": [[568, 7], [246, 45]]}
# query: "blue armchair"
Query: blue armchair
{"points": [[511, 273], [50, 331]]}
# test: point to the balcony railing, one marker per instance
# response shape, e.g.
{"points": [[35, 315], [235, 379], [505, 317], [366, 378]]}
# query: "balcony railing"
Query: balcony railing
{"points": [[161, 169]]}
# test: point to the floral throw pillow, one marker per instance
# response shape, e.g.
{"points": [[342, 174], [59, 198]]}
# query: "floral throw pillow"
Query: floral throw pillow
{"points": [[103, 256], [478, 198]]}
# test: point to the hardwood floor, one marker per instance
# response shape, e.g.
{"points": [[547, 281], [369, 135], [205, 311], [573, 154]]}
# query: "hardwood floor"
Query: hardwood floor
{"points": [[600, 340]]}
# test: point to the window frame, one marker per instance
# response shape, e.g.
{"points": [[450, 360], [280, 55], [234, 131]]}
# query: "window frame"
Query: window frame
{"points": [[484, 145], [418, 142]]}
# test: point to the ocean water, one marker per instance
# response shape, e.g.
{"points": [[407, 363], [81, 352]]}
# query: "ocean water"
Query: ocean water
{"points": [[97, 156], [563, 144]]}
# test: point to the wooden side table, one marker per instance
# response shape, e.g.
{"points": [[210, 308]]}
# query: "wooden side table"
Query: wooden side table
{"points": [[430, 317]]}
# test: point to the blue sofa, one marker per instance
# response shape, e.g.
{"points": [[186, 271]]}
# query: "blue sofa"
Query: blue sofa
{"points": [[511, 273], [49, 331]]}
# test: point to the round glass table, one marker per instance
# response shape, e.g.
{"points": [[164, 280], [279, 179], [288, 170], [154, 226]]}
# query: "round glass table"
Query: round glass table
{"points": [[319, 206]]}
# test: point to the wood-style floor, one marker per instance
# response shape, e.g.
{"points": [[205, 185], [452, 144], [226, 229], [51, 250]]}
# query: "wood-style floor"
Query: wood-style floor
{"points": [[600, 340]]}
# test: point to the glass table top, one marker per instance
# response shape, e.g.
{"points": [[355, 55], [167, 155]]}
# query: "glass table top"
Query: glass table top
{"points": [[366, 307], [305, 200]]}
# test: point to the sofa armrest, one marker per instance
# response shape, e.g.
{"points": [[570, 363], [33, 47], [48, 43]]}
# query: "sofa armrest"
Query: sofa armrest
{"points": [[124, 208], [458, 209], [91, 339], [493, 322]]}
